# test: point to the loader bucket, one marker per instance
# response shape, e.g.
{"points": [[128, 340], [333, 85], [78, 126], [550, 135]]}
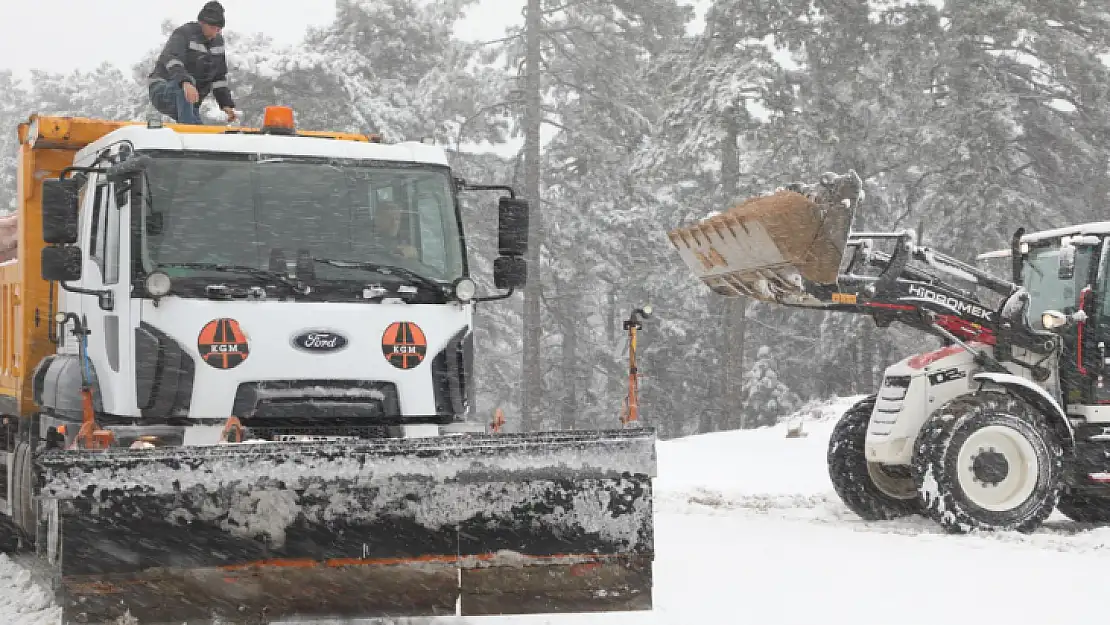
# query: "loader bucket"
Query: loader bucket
{"points": [[457, 525], [774, 248]]}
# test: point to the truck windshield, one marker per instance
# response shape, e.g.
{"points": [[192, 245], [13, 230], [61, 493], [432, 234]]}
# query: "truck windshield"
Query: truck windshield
{"points": [[263, 212], [1046, 290]]}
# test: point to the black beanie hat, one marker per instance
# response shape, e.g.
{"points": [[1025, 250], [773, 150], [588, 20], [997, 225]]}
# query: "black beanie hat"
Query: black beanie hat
{"points": [[212, 13]]}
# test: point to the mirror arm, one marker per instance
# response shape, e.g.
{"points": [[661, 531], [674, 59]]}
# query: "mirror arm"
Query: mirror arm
{"points": [[463, 185], [105, 296], [83, 170], [494, 298]]}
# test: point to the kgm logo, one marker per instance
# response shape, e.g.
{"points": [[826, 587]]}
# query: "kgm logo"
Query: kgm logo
{"points": [[404, 344]]}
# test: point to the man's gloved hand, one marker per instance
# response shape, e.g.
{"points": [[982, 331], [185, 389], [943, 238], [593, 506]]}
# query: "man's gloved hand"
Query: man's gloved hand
{"points": [[231, 114]]}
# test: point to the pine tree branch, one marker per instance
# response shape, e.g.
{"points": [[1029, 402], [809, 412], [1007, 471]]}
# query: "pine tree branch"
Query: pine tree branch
{"points": [[501, 40], [573, 3], [551, 122]]}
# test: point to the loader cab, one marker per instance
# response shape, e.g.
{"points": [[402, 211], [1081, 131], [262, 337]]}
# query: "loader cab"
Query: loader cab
{"points": [[1067, 274]]}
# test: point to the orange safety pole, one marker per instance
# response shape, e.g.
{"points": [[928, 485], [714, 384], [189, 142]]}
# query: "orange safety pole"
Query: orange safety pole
{"points": [[631, 412], [632, 401]]}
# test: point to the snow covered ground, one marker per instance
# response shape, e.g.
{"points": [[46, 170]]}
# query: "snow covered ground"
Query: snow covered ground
{"points": [[21, 601], [749, 530]]}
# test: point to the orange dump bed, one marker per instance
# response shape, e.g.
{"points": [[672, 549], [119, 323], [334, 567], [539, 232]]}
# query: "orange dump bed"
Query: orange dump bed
{"points": [[8, 226]]}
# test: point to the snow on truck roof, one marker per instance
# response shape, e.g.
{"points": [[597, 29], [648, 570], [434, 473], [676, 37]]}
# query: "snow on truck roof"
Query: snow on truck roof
{"points": [[87, 136], [170, 139]]}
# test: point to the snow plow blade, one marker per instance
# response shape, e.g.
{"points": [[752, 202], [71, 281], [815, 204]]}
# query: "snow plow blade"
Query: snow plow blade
{"points": [[469, 525], [775, 248]]}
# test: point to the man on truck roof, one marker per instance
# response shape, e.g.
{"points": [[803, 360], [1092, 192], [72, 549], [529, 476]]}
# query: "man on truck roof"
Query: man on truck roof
{"points": [[191, 66]]}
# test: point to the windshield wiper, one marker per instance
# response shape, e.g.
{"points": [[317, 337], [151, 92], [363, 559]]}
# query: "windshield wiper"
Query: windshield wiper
{"points": [[386, 270], [296, 286]]}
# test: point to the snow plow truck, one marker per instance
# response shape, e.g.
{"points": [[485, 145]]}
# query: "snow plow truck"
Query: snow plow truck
{"points": [[1007, 421], [237, 385]]}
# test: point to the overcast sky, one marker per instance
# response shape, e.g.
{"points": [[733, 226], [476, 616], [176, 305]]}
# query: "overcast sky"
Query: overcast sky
{"points": [[77, 34]]}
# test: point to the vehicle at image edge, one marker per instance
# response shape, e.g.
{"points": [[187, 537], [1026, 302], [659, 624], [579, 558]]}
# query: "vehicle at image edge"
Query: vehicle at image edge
{"points": [[1006, 422], [237, 381]]}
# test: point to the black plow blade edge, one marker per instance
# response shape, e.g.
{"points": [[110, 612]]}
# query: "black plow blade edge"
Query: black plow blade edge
{"points": [[254, 533]]}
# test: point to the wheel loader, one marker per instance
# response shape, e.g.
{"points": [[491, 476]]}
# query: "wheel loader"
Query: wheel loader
{"points": [[1007, 421], [237, 385]]}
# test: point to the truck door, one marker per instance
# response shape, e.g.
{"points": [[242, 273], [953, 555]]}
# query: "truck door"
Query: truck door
{"points": [[106, 259]]}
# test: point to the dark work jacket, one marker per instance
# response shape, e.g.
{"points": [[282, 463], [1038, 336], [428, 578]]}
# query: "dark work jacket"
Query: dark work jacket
{"points": [[188, 56]]}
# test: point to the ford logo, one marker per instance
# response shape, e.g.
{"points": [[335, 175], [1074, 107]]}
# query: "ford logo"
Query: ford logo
{"points": [[320, 341]]}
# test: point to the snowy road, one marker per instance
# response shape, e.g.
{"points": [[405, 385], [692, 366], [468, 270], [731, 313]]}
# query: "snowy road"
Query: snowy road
{"points": [[749, 530]]}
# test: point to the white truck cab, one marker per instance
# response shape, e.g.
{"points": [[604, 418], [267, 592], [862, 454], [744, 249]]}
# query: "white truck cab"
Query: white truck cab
{"points": [[300, 284]]}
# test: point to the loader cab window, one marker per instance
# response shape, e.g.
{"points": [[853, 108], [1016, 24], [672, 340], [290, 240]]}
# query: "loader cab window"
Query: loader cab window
{"points": [[1103, 314], [1046, 290]]}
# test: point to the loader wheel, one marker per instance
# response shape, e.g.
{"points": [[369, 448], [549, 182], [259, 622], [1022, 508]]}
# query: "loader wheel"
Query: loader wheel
{"points": [[1084, 508], [987, 461], [871, 491]]}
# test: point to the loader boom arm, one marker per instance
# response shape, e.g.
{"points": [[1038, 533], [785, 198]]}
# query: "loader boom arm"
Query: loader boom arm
{"points": [[778, 249]]}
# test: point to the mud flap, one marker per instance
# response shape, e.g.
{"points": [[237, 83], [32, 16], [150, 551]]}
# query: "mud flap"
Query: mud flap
{"points": [[774, 248], [470, 525]]}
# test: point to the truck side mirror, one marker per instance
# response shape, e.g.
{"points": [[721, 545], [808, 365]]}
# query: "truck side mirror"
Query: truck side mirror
{"points": [[1016, 255], [512, 227], [510, 272], [59, 210], [61, 264]]}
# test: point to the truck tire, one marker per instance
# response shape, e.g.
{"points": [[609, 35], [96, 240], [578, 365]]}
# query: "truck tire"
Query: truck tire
{"points": [[1084, 508], [987, 461], [9, 536], [853, 477], [22, 503]]}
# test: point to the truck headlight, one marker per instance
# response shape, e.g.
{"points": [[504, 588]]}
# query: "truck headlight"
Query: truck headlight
{"points": [[465, 289], [158, 283]]}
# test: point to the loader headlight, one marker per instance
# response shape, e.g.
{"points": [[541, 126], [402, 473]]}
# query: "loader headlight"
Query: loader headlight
{"points": [[158, 283], [1051, 319], [465, 289]]}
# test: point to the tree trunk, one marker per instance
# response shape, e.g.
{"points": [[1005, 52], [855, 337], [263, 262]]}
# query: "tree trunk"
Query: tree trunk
{"points": [[571, 365], [717, 388], [613, 317], [736, 307], [532, 319]]}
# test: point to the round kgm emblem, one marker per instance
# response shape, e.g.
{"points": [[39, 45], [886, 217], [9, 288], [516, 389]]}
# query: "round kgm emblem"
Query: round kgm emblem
{"points": [[222, 344], [404, 344]]}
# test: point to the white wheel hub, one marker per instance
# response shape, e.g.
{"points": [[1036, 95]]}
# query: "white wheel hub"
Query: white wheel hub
{"points": [[896, 487], [997, 468]]}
